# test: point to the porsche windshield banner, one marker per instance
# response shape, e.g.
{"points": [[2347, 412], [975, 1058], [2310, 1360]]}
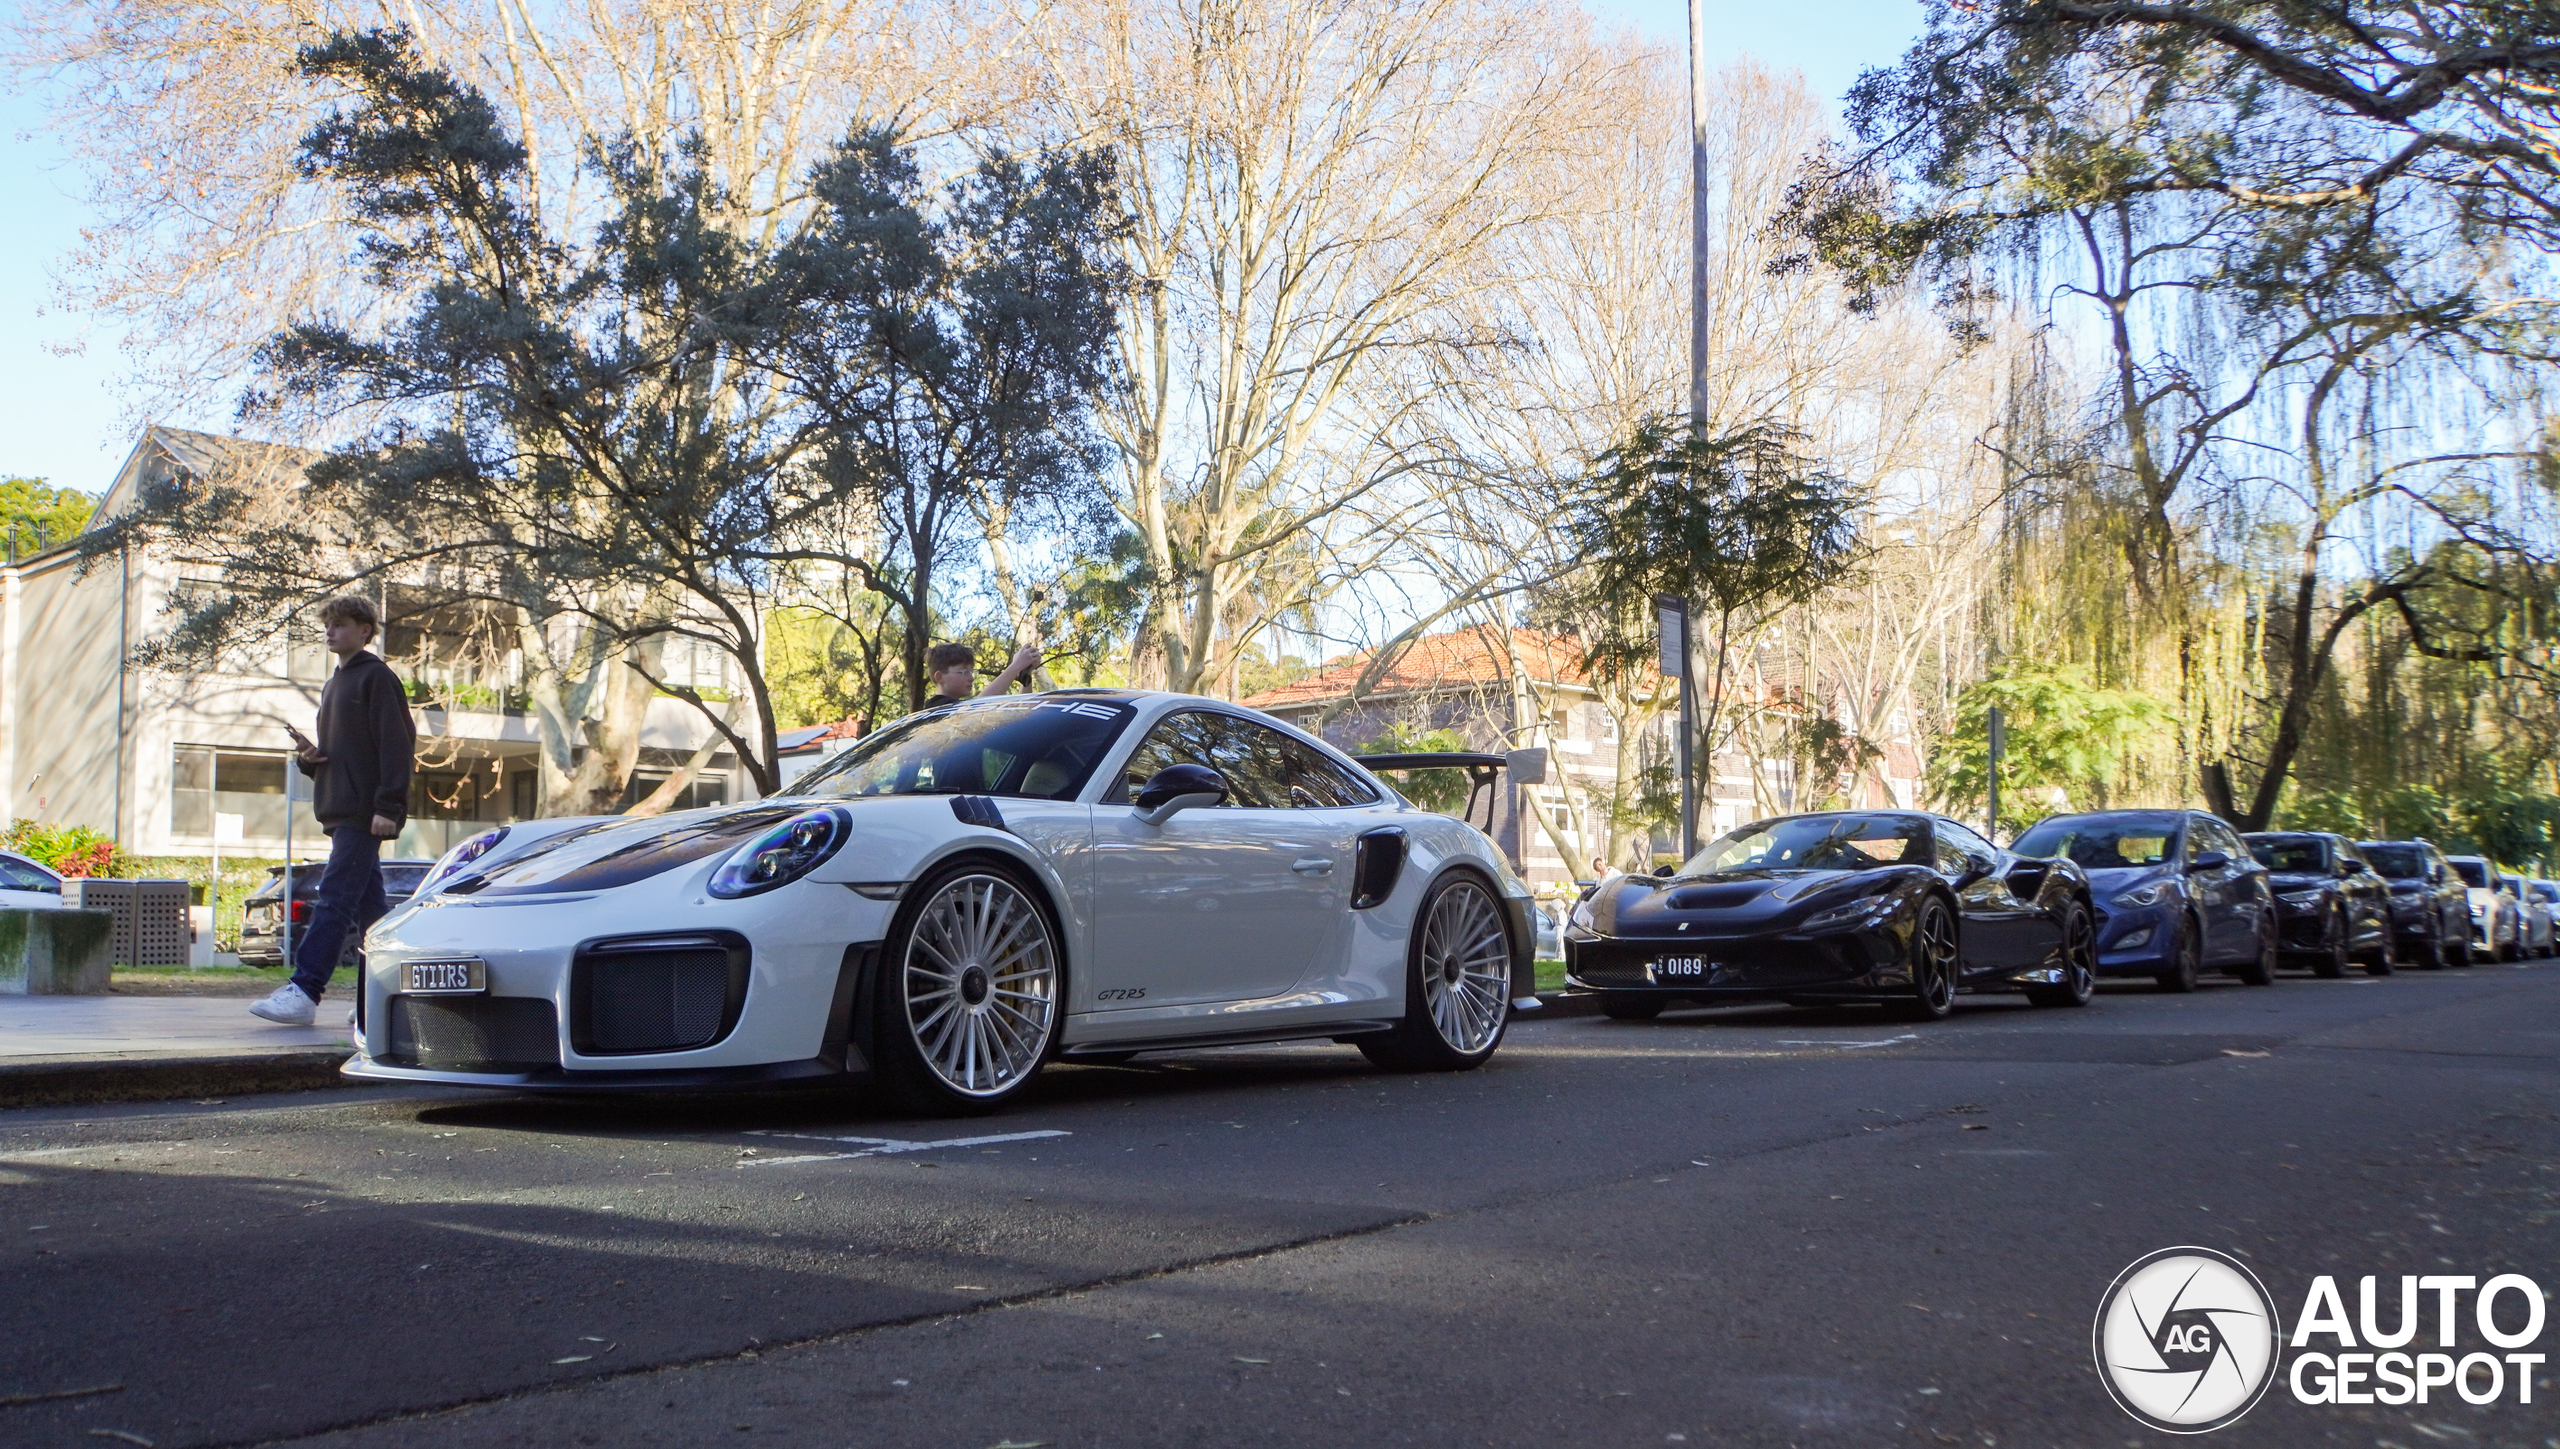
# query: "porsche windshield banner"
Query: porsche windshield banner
{"points": [[2189, 1339]]}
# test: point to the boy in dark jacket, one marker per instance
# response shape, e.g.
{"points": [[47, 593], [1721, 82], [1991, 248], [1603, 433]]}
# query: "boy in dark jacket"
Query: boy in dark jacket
{"points": [[360, 772]]}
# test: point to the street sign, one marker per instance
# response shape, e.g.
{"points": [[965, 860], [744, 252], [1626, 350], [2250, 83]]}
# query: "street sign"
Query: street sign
{"points": [[1671, 621]]}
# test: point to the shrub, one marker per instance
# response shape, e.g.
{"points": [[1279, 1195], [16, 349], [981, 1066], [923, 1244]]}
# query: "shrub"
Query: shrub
{"points": [[72, 850]]}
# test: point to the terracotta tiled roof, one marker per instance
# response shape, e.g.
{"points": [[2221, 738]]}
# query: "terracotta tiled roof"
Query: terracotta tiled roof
{"points": [[1457, 659]]}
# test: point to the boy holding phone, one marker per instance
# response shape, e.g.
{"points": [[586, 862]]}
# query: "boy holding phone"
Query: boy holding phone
{"points": [[360, 769]]}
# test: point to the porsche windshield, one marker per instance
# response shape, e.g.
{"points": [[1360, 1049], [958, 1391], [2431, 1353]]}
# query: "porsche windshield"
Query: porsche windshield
{"points": [[1817, 842], [1031, 746]]}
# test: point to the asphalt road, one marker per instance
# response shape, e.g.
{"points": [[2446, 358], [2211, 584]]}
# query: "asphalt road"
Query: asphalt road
{"points": [[1755, 1226]]}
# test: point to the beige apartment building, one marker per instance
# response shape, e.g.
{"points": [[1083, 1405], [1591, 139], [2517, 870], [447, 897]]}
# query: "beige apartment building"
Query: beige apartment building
{"points": [[150, 756]]}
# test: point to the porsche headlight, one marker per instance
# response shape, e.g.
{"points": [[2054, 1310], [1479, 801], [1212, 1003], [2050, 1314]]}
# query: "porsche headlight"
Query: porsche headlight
{"points": [[2299, 898], [783, 854], [1859, 914], [452, 862], [2144, 895]]}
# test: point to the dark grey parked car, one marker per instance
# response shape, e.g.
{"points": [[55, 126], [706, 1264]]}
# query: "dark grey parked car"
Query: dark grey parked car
{"points": [[262, 922], [2332, 907], [2430, 908]]}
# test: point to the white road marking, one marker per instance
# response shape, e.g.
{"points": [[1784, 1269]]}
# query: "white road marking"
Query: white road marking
{"points": [[1856, 1045], [884, 1146]]}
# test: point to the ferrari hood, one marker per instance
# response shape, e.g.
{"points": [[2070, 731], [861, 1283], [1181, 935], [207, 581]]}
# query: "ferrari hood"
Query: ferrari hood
{"points": [[1641, 905]]}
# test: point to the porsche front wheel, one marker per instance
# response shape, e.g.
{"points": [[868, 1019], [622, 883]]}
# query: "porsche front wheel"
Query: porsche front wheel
{"points": [[1457, 993], [968, 992]]}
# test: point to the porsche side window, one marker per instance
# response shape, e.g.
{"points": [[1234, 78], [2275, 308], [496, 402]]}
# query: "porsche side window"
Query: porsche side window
{"points": [[1255, 760], [1037, 746], [1317, 783], [1187, 738]]}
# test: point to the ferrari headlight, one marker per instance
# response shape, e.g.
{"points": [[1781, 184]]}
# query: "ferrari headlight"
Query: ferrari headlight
{"points": [[2299, 898], [1579, 919], [2144, 895], [783, 854], [1858, 914], [451, 863]]}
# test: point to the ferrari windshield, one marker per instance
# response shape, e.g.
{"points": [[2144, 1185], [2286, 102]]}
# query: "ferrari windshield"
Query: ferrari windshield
{"points": [[1817, 842], [1030, 746], [2104, 842]]}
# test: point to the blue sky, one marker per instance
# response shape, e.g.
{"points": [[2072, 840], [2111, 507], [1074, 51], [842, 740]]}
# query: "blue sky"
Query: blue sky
{"points": [[60, 416]]}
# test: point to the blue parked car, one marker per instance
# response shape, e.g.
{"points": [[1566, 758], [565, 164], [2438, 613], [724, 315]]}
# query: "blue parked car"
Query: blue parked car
{"points": [[2177, 893]]}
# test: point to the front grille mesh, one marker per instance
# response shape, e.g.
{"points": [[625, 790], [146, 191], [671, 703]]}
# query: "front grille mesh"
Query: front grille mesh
{"points": [[643, 1001], [474, 1033]]}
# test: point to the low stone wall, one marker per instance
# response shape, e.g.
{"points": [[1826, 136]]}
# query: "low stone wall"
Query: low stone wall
{"points": [[56, 953]]}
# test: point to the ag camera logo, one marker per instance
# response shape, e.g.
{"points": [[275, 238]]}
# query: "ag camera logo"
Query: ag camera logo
{"points": [[2186, 1340]]}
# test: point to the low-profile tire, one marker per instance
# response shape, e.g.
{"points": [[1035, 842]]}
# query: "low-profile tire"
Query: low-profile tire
{"points": [[966, 1006], [1457, 983], [2079, 963], [2260, 970], [2331, 964], [1933, 954], [2182, 973], [1631, 1008]]}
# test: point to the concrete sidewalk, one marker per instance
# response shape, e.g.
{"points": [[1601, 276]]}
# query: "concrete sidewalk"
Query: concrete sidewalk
{"points": [[70, 1049]]}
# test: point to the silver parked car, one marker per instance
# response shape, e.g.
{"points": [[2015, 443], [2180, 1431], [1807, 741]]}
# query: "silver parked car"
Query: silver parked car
{"points": [[2534, 917], [2494, 914]]}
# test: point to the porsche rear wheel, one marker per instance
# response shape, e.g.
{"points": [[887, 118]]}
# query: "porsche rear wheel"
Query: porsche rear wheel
{"points": [[968, 992], [2079, 963], [1935, 950], [1457, 984]]}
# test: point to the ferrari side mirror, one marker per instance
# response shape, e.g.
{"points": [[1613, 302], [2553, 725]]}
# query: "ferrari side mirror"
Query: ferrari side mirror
{"points": [[1663, 871], [1179, 787]]}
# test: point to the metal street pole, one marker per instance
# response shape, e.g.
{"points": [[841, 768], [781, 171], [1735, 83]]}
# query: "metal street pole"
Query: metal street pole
{"points": [[1671, 623], [1999, 739], [1699, 303]]}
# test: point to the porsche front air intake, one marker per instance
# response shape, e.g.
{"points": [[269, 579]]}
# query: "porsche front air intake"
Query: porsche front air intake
{"points": [[473, 1033], [656, 993]]}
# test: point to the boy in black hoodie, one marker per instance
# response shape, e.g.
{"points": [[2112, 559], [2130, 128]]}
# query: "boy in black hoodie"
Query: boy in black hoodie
{"points": [[360, 771]]}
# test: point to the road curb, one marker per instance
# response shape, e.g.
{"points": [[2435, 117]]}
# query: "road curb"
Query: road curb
{"points": [[79, 1081]]}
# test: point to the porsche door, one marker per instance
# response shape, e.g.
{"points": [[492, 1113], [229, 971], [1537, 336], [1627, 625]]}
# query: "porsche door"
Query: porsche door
{"points": [[1222, 904]]}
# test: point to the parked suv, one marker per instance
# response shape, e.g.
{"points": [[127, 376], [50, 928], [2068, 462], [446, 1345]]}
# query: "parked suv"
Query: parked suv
{"points": [[2331, 907], [2177, 893], [2430, 911], [2493, 910], [262, 923]]}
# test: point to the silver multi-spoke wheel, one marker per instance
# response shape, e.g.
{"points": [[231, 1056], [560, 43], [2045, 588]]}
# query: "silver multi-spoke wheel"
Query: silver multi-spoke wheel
{"points": [[980, 984], [1466, 967]]}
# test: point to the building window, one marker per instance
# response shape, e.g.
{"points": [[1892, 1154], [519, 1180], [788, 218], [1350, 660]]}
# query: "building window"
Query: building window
{"points": [[205, 782]]}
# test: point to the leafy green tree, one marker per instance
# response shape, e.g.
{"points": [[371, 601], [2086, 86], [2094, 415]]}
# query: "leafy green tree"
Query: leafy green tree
{"points": [[36, 516], [1738, 523], [2063, 742]]}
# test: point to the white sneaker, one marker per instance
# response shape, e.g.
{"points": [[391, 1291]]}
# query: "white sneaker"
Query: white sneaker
{"points": [[285, 1006]]}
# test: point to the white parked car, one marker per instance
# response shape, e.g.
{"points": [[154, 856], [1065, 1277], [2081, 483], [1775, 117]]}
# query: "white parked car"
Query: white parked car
{"points": [[956, 900], [2535, 925], [2494, 917], [27, 885]]}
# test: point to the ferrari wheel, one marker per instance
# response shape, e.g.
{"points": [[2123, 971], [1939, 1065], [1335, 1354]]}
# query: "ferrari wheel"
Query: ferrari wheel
{"points": [[1935, 950], [1457, 984], [2079, 963], [969, 991]]}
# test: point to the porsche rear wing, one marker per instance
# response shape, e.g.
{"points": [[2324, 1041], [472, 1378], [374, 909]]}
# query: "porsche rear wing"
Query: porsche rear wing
{"points": [[1527, 767]]}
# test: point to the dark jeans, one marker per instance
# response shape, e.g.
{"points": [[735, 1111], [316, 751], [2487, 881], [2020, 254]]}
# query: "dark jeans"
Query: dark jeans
{"points": [[351, 899]]}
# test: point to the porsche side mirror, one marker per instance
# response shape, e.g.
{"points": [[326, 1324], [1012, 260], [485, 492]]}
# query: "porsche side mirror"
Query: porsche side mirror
{"points": [[1179, 787], [2210, 860]]}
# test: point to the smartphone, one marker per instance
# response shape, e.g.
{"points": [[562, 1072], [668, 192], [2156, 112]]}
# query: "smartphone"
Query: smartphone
{"points": [[300, 740]]}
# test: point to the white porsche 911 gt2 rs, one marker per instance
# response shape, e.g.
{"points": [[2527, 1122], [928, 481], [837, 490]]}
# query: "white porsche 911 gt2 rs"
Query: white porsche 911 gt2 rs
{"points": [[955, 900]]}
